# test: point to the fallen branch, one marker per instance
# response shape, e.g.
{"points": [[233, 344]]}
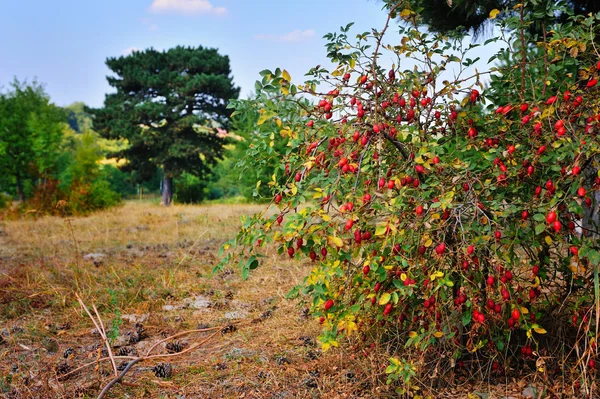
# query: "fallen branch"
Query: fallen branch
{"points": [[134, 360]]}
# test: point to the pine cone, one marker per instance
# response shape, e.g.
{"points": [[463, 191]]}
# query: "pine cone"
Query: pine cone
{"points": [[126, 351], [62, 368], [228, 329], [68, 352], [163, 370], [176, 346], [141, 331]]}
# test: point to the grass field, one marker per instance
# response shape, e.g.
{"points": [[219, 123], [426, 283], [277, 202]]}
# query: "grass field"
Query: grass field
{"points": [[150, 265]]}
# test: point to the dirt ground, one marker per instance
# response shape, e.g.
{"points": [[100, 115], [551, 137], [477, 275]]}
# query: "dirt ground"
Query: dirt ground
{"points": [[147, 270]]}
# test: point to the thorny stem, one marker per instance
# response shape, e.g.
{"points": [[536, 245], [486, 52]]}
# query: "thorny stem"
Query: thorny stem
{"points": [[374, 64]]}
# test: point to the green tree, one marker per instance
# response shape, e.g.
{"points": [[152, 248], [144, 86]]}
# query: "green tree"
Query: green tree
{"points": [[31, 130], [473, 16], [167, 106]]}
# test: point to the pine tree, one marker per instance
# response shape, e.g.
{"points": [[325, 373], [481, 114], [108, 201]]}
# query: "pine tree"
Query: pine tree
{"points": [[168, 105]]}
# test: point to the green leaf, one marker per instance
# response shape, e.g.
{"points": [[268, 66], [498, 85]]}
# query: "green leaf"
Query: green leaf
{"points": [[539, 228], [466, 318]]}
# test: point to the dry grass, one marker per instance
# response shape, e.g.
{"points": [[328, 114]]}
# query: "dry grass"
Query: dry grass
{"points": [[154, 257]]}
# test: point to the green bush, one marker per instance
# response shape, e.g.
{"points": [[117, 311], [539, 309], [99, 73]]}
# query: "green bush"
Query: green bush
{"points": [[189, 189], [448, 220], [5, 200]]}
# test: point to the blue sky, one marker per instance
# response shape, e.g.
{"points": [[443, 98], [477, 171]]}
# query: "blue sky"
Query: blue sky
{"points": [[64, 43]]}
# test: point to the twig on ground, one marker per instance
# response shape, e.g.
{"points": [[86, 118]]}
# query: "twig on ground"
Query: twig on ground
{"points": [[100, 327]]}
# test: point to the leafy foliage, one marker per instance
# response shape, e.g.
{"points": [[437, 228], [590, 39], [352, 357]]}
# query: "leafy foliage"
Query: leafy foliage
{"points": [[167, 106], [474, 16], [444, 215], [30, 134]]}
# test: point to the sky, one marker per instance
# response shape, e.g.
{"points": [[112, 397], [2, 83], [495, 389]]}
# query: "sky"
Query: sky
{"points": [[64, 43]]}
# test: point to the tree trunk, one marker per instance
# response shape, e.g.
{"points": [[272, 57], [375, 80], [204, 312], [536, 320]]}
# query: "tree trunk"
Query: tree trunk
{"points": [[20, 193], [167, 190]]}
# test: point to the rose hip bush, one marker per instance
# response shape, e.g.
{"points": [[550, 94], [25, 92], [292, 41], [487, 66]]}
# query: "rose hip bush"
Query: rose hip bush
{"points": [[450, 214]]}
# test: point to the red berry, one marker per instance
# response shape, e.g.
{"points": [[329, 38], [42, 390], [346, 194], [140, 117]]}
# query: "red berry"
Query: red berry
{"points": [[328, 304], [440, 248], [419, 210], [581, 192], [290, 252], [366, 269], [388, 309], [551, 217], [557, 226], [516, 315]]}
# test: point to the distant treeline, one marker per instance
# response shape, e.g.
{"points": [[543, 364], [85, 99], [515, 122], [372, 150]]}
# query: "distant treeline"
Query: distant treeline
{"points": [[53, 162]]}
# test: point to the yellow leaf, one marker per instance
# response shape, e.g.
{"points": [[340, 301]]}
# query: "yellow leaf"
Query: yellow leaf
{"points": [[335, 241], [294, 189], [406, 13], [412, 334], [494, 13], [385, 298], [263, 118], [436, 275], [428, 243], [285, 90], [524, 310], [438, 334], [548, 240], [380, 230], [403, 276], [286, 75], [539, 330]]}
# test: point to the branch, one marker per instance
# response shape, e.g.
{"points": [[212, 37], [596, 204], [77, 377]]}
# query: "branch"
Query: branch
{"points": [[396, 144]]}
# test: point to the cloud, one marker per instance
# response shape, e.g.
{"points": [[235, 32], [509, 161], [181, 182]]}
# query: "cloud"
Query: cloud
{"points": [[294, 36], [129, 50], [186, 7], [148, 22]]}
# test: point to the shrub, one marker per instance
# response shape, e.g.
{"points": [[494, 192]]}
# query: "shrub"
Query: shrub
{"points": [[5, 201], [442, 226], [189, 189]]}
